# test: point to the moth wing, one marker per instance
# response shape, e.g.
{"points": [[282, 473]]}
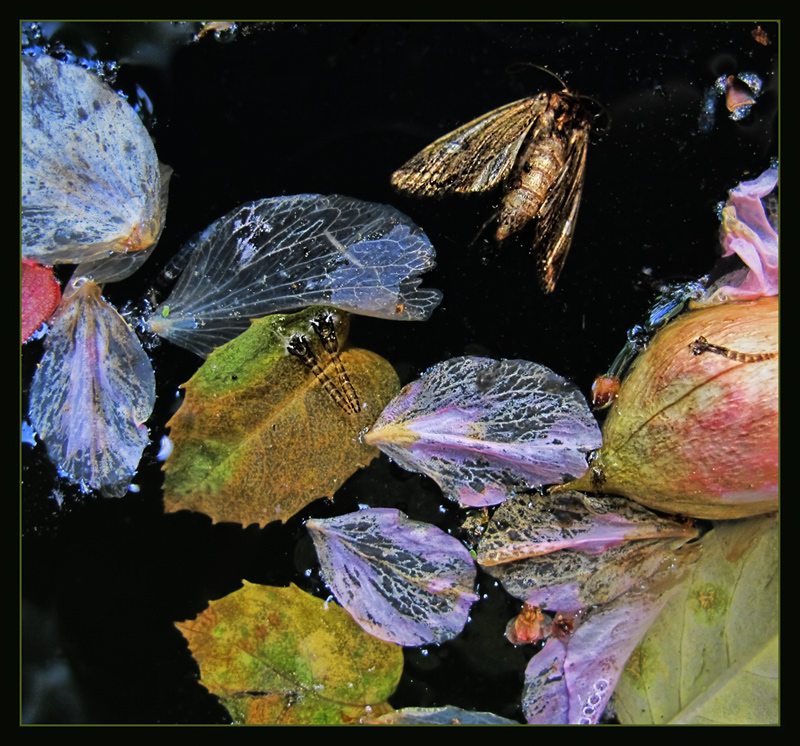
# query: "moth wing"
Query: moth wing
{"points": [[475, 157], [282, 253], [557, 216]]}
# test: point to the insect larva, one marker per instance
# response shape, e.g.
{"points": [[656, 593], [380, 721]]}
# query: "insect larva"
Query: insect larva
{"points": [[701, 345], [325, 330], [299, 347]]}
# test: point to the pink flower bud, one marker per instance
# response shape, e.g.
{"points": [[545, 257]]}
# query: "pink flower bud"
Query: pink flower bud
{"points": [[694, 429]]}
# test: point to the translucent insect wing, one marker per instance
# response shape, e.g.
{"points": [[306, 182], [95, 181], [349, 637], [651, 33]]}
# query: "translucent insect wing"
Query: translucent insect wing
{"points": [[91, 181], [285, 253], [92, 392]]}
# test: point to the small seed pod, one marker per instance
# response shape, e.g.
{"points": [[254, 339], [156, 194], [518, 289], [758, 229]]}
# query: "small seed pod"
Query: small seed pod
{"points": [[604, 390]]}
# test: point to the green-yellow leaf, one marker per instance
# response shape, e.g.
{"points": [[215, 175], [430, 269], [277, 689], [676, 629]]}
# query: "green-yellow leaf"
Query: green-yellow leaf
{"points": [[712, 654], [280, 655], [260, 435]]}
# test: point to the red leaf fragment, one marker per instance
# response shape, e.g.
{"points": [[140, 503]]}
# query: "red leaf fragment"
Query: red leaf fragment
{"points": [[40, 294]]}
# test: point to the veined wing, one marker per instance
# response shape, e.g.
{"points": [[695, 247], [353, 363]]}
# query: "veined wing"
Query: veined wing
{"points": [[282, 253], [558, 213], [476, 156]]}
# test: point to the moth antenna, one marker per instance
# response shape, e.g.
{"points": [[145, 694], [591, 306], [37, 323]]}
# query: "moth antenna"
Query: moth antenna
{"points": [[603, 110], [516, 67]]}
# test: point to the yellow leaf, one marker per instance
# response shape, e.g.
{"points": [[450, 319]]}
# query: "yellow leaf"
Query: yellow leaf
{"points": [[280, 655]]}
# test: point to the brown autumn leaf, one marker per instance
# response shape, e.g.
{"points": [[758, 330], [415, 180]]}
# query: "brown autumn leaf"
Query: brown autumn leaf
{"points": [[260, 434]]}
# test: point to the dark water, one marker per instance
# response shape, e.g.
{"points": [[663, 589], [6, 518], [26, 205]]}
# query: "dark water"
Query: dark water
{"points": [[335, 108]]}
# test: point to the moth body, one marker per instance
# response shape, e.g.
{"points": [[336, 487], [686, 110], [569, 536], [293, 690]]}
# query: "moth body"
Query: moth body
{"points": [[535, 174], [540, 162]]}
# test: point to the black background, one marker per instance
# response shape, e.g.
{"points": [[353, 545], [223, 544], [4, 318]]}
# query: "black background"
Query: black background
{"points": [[286, 108]]}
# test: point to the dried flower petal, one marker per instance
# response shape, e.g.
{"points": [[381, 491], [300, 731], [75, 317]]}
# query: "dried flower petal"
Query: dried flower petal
{"points": [[403, 581], [484, 428], [526, 526], [92, 392], [91, 181]]}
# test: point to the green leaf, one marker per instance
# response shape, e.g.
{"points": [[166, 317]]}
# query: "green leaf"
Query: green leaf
{"points": [[280, 655], [260, 435], [712, 654]]}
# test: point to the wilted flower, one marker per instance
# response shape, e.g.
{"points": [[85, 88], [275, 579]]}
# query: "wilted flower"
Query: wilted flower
{"points": [[748, 232]]}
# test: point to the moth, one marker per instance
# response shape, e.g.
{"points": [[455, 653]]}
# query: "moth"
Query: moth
{"points": [[536, 149]]}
